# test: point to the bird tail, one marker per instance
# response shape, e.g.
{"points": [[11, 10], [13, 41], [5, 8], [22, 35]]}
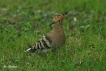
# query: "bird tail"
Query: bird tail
{"points": [[45, 42]]}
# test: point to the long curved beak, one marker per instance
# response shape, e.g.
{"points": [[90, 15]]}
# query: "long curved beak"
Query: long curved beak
{"points": [[51, 24]]}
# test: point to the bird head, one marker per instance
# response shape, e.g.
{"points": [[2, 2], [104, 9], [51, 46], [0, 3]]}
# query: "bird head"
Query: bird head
{"points": [[58, 18]]}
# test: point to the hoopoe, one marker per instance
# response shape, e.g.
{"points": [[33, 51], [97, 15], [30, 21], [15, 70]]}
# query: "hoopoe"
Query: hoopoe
{"points": [[55, 38]]}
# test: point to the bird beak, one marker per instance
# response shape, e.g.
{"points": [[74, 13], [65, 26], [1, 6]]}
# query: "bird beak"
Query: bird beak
{"points": [[51, 24]]}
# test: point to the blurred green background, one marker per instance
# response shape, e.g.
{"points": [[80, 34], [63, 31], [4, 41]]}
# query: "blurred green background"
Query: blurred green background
{"points": [[23, 22]]}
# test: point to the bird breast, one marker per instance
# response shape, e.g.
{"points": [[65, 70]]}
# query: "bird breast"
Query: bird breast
{"points": [[57, 37]]}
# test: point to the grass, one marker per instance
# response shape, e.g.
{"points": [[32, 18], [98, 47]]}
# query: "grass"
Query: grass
{"points": [[23, 22]]}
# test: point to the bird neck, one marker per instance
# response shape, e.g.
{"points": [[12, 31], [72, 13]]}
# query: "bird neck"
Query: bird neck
{"points": [[58, 26]]}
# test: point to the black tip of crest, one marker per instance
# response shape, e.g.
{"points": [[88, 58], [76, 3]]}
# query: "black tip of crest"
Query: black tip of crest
{"points": [[65, 13]]}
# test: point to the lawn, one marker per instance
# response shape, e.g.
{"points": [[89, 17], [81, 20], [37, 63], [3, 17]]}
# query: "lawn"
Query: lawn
{"points": [[23, 22]]}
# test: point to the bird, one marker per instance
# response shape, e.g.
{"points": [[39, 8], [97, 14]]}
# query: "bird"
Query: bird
{"points": [[55, 38]]}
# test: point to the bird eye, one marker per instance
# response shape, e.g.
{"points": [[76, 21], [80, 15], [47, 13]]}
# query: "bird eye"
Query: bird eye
{"points": [[59, 21]]}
